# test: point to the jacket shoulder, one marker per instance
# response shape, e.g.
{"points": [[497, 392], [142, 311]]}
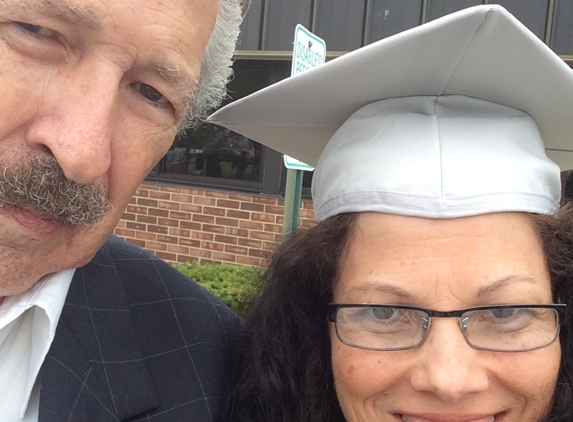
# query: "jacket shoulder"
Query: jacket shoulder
{"points": [[148, 280], [187, 335]]}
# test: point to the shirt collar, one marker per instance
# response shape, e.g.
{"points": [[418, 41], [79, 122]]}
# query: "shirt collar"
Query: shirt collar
{"points": [[48, 296]]}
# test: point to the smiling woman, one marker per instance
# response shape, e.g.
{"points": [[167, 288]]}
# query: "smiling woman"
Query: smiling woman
{"points": [[435, 286], [446, 265], [306, 274]]}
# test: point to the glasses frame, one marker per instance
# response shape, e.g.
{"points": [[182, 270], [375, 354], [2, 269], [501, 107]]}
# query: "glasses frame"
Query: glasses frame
{"points": [[560, 308]]}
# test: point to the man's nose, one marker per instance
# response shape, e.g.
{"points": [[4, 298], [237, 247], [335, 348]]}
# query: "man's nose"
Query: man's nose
{"points": [[75, 124], [448, 367]]}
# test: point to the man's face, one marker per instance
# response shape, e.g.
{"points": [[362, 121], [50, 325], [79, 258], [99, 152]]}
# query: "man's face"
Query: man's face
{"points": [[99, 85]]}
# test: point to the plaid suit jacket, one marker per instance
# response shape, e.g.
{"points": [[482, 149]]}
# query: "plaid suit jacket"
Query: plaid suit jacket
{"points": [[137, 341]]}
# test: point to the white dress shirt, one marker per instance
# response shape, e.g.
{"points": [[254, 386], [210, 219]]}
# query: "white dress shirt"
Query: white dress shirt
{"points": [[28, 324]]}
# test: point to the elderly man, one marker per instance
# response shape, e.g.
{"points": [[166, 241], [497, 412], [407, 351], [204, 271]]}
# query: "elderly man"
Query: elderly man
{"points": [[93, 93]]}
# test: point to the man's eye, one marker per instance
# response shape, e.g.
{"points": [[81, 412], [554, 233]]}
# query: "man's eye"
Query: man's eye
{"points": [[150, 93], [37, 31]]}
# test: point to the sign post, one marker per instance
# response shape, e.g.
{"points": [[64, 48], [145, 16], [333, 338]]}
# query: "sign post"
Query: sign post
{"points": [[309, 51]]}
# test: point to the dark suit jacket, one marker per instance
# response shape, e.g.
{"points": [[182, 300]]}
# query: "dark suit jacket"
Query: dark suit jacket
{"points": [[137, 341]]}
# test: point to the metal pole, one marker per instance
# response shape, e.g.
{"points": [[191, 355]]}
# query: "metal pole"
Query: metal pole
{"points": [[297, 201], [293, 192], [289, 200]]}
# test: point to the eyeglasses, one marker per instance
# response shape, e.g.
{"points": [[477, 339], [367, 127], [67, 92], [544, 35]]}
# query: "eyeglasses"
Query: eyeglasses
{"points": [[507, 328]]}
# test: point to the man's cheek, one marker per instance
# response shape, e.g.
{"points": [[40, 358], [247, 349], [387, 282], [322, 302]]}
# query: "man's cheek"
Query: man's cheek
{"points": [[20, 89]]}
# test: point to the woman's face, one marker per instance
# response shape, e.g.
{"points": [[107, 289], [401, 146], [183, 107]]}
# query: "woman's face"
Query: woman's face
{"points": [[444, 265]]}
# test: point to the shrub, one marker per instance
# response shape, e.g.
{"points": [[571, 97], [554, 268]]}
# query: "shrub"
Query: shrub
{"points": [[235, 285]]}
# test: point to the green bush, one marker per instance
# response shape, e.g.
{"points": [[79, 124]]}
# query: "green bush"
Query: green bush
{"points": [[235, 285]]}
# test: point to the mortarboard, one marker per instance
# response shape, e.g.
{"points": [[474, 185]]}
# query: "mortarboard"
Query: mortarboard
{"points": [[449, 119]]}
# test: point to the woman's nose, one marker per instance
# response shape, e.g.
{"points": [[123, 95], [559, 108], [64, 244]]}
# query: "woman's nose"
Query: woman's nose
{"points": [[448, 367]]}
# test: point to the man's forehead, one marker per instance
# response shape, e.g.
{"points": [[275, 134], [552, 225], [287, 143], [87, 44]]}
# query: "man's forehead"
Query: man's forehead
{"points": [[86, 11], [186, 21], [63, 9]]}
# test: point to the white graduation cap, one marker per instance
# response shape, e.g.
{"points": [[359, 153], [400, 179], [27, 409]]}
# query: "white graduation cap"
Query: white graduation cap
{"points": [[449, 119]]}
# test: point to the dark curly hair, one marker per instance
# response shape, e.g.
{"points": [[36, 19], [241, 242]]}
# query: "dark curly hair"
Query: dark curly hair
{"points": [[284, 370]]}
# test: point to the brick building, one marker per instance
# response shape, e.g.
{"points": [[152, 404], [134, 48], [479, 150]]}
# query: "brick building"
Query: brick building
{"points": [[183, 224], [217, 196]]}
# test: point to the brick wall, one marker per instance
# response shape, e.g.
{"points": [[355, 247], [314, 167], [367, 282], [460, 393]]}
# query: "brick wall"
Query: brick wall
{"points": [[182, 224]]}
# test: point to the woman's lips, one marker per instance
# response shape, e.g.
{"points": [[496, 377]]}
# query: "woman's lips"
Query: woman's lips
{"points": [[449, 418], [34, 225]]}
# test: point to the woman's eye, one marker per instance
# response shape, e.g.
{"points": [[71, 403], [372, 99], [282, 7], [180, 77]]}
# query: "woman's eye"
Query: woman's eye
{"points": [[503, 313], [384, 313], [508, 315], [37, 31], [150, 94]]}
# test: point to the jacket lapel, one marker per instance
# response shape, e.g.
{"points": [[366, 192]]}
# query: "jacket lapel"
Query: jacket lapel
{"points": [[94, 370]]}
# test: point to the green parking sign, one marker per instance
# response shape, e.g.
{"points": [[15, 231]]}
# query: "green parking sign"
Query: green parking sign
{"points": [[309, 51], [294, 164]]}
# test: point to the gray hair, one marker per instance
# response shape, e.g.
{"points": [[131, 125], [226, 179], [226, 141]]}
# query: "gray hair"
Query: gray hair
{"points": [[216, 64]]}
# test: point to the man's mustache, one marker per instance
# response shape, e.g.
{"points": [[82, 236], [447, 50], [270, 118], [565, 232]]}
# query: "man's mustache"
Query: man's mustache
{"points": [[37, 183]]}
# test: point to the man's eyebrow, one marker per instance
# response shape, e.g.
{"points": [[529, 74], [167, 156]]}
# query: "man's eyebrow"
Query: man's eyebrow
{"points": [[60, 9], [504, 282], [183, 82]]}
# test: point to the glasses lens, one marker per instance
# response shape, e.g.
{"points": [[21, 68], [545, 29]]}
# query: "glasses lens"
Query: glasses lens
{"points": [[510, 329], [381, 328]]}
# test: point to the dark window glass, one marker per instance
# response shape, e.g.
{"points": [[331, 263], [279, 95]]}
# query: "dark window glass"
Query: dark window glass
{"points": [[281, 19], [214, 152], [532, 13], [210, 152], [306, 183], [562, 38], [388, 17], [339, 23], [250, 36], [567, 186], [307, 180], [439, 8]]}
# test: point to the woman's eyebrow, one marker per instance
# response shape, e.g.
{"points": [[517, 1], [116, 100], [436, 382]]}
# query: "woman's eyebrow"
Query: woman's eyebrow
{"points": [[504, 282], [59, 9], [371, 287]]}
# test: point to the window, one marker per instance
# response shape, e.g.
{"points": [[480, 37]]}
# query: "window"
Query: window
{"points": [[388, 17], [562, 37], [211, 155], [281, 19], [532, 13], [212, 151], [250, 36], [439, 8], [567, 186], [339, 23]]}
